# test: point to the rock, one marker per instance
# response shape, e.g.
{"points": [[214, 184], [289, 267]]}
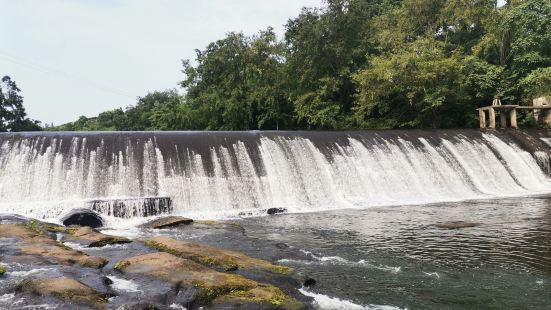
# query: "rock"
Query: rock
{"points": [[144, 306], [96, 238], [273, 211], [457, 225], [106, 281], [43, 227], [2, 270], [169, 221], [83, 217], [39, 244], [210, 256], [63, 288], [309, 282], [212, 286]]}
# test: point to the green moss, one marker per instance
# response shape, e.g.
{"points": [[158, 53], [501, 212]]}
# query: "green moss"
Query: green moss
{"points": [[207, 294], [121, 265], [277, 300], [282, 269], [42, 228], [228, 265], [34, 226], [2, 270]]}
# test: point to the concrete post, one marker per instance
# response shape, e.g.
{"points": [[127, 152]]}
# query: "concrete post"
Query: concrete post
{"points": [[503, 119], [482, 118], [514, 118], [493, 118]]}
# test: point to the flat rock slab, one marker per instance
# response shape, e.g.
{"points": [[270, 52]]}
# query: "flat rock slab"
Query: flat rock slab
{"points": [[212, 257], [457, 225], [39, 244], [96, 238], [63, 288], [168, 221], [212, 286]]}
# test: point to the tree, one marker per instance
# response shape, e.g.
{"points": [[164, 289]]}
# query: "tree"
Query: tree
{"points": [[239, 84], [12, 113]]}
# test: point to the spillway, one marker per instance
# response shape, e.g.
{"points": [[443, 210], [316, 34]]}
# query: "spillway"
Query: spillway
{"points": [[218, 174]]}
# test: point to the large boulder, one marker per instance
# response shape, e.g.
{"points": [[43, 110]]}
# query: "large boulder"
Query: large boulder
{"points": [[83, 217], [167, 221], [210, 286], [36, 243], [95, 238], [64, 288], [210, 256]]}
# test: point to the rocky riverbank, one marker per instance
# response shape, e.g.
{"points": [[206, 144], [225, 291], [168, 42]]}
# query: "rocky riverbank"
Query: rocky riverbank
{"points": [[172, 263]]}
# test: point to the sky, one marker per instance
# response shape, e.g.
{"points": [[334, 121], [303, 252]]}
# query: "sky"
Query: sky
{"points": [[83, 57]]}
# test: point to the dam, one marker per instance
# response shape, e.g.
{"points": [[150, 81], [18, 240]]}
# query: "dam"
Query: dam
{"points": [[227, 174]]}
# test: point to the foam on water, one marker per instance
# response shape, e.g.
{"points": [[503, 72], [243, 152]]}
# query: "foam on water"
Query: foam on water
{"points": [[124, 285], [221, 175], [331, 303]]}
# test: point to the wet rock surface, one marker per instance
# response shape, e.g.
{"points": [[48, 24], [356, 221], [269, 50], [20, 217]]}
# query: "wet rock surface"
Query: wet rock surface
{"points": [[167, 221], [211, 256], [208, 264], [96, 238], [63, 288]]}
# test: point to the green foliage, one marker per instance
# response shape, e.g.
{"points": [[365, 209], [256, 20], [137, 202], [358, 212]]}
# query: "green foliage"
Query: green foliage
{"points": [[537, 83], [358, 64], [12, 113], [155, 111]]}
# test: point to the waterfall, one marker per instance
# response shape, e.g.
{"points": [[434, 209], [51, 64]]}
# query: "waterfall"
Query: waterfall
{"points": [[45, 175]]}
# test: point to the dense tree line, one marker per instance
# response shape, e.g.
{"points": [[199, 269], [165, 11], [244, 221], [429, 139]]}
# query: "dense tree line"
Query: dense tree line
{"points": [[12, 113], [358, 64]]}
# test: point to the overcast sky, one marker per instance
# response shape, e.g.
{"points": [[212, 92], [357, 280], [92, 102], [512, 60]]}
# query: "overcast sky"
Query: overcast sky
{"points": [[82, 57]]}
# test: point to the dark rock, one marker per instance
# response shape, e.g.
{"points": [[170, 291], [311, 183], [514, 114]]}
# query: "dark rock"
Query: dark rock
{"points": [[457, 225], [83, 217], [281, 245], [168, 221], [309, 282], [106, 281], [186, 296], [272, 211]]}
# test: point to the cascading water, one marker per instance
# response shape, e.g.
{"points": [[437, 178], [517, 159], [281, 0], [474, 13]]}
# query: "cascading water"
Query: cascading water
{"points": [[226, 173]]}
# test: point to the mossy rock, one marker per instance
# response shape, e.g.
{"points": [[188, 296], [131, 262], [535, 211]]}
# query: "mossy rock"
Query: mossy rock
{"points": [[43, 228], [96, 238], [211, 256], [63, 288], [2, 270], [35, 242], [210, 284]]}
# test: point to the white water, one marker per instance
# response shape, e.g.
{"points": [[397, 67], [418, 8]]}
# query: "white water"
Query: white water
{"points": [[332, 303], [46, 182]]}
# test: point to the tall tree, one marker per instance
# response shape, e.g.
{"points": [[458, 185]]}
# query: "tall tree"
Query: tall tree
{"points": [[12, 113]]}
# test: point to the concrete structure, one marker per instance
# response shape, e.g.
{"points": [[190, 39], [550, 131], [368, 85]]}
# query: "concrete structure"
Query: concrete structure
{"points": [[508, 113]]}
